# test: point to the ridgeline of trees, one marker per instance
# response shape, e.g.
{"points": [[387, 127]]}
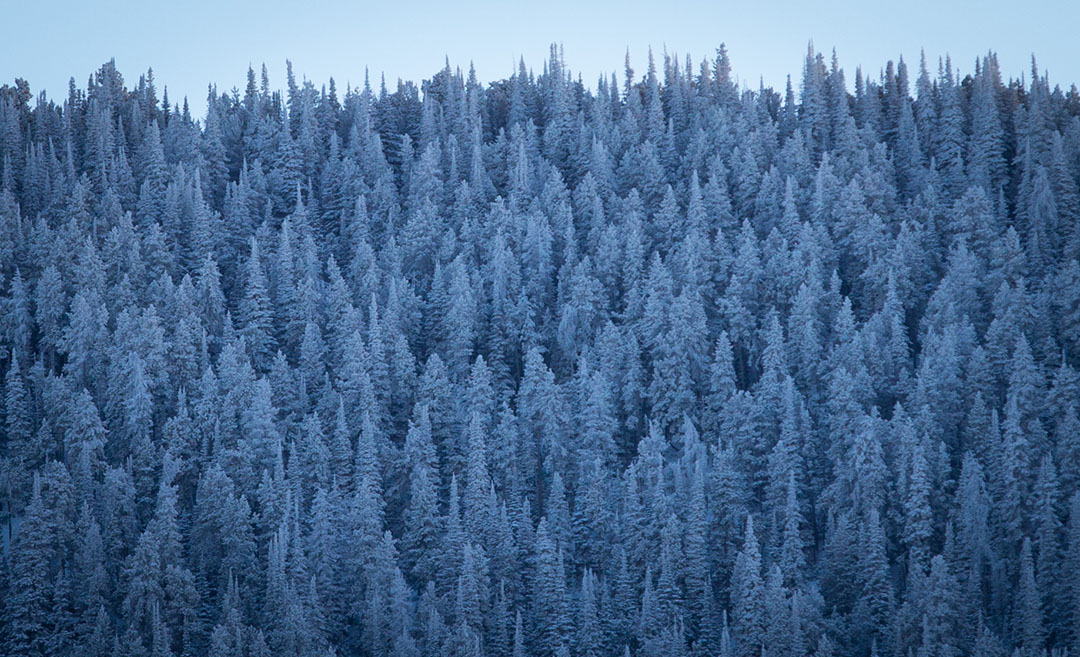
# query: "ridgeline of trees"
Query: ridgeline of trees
{"points": [[666, 368]]}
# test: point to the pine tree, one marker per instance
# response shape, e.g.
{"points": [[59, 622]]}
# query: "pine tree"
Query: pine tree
{"points": [[588, 640], [697, 557], [254, 312], [478, 517], [747, 592], [918, 529], [1047, 543], [18, 421], [29, 611], [875, 600], [1072, 559], [1028, 620], [792, 556], [973, 530], [553, 617]]}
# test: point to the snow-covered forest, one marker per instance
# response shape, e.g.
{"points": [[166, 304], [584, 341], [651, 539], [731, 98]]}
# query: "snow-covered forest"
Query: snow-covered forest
{"points": [[656, 365]]}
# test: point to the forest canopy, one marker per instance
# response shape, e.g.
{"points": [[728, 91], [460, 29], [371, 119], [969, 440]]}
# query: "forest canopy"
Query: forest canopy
{"points": [[657, 366]]}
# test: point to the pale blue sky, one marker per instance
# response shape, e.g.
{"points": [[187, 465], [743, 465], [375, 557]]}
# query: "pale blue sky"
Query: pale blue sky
{"points": [[190, 43]]}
